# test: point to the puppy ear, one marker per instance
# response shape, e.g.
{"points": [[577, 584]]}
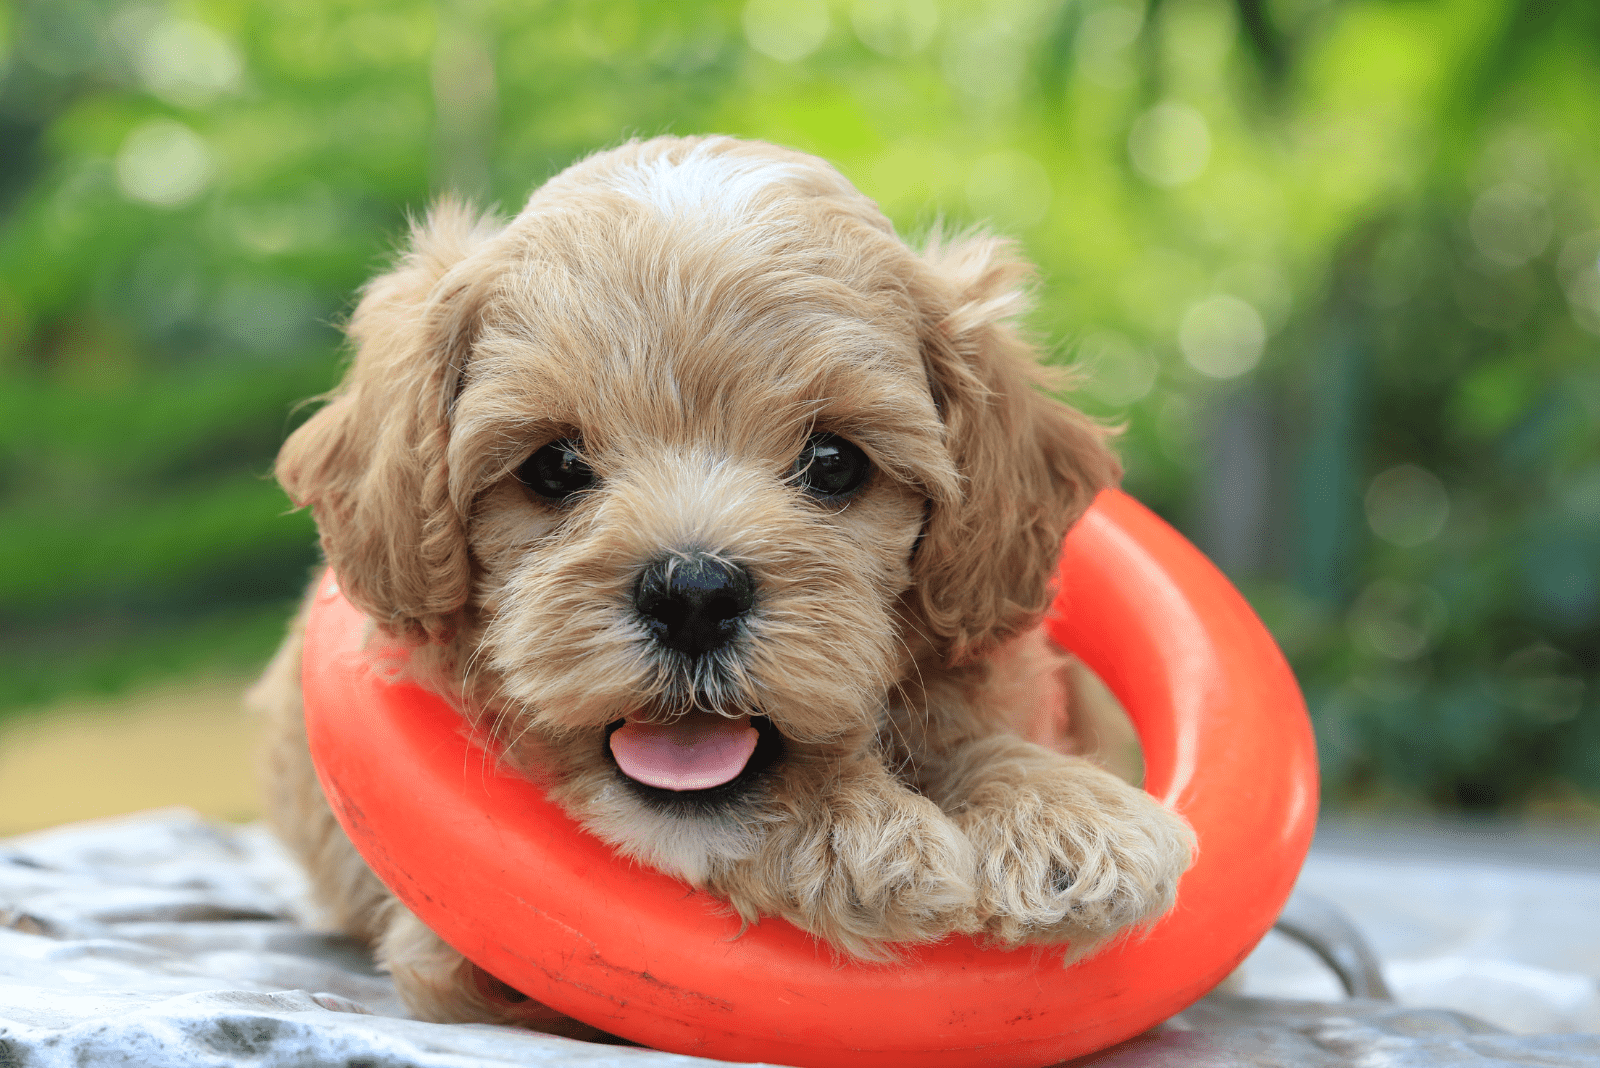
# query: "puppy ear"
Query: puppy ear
{"points": [[1029, 464], [371, 462]]}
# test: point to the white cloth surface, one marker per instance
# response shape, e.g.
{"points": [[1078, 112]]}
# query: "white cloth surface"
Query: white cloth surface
{"points": [[161, 941]]}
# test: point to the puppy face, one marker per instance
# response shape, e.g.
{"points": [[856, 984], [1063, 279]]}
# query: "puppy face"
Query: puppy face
{"points": [[644, 421], [694, 456]]}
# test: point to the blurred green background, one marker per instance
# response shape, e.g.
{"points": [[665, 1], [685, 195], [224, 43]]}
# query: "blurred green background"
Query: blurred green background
{"points": [[1334, 263]]}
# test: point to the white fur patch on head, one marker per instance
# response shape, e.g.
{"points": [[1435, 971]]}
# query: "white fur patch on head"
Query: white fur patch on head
{"points": [[705, 179]]}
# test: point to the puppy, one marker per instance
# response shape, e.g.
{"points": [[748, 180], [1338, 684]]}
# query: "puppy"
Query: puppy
{"points": [[716, 507]]}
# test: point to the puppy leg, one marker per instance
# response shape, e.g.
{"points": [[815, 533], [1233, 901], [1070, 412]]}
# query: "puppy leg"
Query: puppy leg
{"points": [[1066, 852], [439, 984], [435, 981], [342, 886], [851, 855]]}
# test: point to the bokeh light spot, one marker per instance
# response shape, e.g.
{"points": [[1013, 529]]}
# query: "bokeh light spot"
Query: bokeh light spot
{"points": [[1102, 43], [187, 63], [1407, 506], [1544, 684], [1170, 144], [1580, 255], [985, 61], [164, 163], [786, 30], [895, 27], [1118, 372], [1510, 224], [1583, 295], [1222, 336], [1397, 620]]}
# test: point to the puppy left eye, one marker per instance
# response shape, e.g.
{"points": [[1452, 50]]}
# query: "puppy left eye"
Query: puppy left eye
{"points": [[556, 471], [830, 466]]}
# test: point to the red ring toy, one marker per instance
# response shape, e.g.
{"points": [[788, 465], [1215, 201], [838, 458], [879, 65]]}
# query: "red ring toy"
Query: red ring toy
{"points": [[509, 880]]}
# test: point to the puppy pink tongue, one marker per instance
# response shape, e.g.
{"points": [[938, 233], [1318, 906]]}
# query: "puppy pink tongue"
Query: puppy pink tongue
{"points": [[696, 751]]}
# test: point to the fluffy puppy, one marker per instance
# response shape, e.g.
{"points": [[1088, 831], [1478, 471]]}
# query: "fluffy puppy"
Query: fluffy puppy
{"points": [[716, 506]]}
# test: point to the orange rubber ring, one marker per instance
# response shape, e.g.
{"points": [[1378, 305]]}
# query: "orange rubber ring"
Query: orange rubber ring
{"points": [[509, 880]]}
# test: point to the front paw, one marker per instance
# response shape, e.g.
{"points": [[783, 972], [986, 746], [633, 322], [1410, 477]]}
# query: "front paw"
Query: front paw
{"points": [[1073, 855], [873, 866]]}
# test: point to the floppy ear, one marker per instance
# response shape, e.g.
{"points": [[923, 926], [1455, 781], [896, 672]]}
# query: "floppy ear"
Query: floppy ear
{"points": [[1030, 465], [371, 462]]}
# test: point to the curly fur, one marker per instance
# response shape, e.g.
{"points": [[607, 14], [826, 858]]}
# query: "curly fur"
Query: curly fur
{"points": [[694, 309]]}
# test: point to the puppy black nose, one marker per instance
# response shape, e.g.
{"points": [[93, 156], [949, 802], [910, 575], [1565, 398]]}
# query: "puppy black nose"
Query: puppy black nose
{"points": [[693, 603]]}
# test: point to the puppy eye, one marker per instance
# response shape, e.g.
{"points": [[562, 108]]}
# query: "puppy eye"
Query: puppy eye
{"points": [[830, 466], [556, 471]]}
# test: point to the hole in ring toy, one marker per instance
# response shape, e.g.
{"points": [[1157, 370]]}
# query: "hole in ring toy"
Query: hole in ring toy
{"points": [[511, 882]]}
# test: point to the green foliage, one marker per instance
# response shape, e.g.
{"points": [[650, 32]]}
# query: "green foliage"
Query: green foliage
{"points": [[1334, 265]]}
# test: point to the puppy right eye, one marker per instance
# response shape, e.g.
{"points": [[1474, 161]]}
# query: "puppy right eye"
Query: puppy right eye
{"points": [[830, 468], [556, 471]]}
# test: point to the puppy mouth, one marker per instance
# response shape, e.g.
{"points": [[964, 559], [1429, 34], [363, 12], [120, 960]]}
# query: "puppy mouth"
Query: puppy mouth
{"points": [[697, 757]]}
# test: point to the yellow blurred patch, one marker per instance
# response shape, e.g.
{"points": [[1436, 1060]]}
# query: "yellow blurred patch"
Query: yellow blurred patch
{"points": [[179, 744]]}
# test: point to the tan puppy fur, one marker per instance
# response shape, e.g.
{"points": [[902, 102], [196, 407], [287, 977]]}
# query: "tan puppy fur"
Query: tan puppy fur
{"points": [[693, 311]]}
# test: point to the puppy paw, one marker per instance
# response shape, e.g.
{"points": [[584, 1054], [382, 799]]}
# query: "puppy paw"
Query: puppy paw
{"points": [[876, 867], [1073, 855]]}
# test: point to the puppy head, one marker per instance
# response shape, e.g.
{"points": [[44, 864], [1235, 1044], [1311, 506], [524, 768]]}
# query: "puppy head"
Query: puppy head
{"points": [[694, 434]]}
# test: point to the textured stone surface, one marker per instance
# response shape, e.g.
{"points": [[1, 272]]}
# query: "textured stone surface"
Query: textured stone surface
{"points": [[1226, 1031], [1483, 920]]}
